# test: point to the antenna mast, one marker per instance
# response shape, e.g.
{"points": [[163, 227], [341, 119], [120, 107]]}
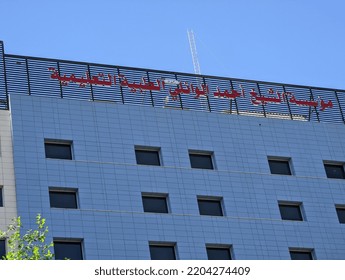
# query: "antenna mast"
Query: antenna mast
{"points": [[193, 52]]}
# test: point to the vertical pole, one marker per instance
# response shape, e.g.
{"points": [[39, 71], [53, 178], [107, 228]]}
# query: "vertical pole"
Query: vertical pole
{"points": [[287, 102], [121, 91], [263, 106], [61, 92], [4, 70], [310, 110], [28, 75], [341, 111], [91, 87], [235, 100], [148, 79]]}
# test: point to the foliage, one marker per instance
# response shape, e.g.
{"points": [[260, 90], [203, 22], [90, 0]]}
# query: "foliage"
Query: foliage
{"points": [[29, 246]]}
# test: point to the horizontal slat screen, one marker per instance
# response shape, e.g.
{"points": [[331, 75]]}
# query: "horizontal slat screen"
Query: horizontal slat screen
{"points": [[144, 87]]}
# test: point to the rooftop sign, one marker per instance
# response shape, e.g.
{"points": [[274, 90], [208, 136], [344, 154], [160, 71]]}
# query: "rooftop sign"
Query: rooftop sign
{"points": [[176, 89], [164, 89]]}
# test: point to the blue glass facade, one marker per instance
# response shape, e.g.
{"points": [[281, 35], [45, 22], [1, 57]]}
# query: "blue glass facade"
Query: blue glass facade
{"points": [[110, 219], [238, 133]]}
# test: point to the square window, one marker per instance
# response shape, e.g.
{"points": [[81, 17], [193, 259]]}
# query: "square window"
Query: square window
{"points": [[71, 250], [201, 160], [2, 248], [341, 214], [1, 199], [210, 206], [280, 166], [335, 171], [147, 156], [58, 149], [290, 211], [297, 254], [218, 253], [63, 198], [155, 203], [162, 252]]}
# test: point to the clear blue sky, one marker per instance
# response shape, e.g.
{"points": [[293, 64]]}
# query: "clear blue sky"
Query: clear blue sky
{"points": [[290, 41]]}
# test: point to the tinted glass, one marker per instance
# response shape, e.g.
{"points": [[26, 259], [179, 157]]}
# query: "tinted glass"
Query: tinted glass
{"points": [[281, 167], [341, 215], [59, 151], [335, 171], [201, 161], [147, 157], [155, 204], [1, 201], [59, 199], [210, 207], [296, 255], [162, 252], [2, 249], [290, 212], [68, 250], [218, 253]]}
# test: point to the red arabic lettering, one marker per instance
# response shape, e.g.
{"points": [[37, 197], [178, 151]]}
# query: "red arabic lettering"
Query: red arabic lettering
{"points": [[225, 94], [94, 80], [325, 105], [185, 88]]}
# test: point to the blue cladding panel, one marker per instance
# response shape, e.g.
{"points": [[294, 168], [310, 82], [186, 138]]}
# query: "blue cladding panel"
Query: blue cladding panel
{"points": [[111, 220]]}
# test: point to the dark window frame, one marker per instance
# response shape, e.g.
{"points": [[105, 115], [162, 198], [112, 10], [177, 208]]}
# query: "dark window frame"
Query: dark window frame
{"points": [[300, 254], [286, 205], [194, 155], [211, 248], [142, 150], [2, 246], [155, 197], [57, 190], [210, 199], [338, 174], [340, 209], [155, 246], [282, 163], [49, 154], [66, 241]]}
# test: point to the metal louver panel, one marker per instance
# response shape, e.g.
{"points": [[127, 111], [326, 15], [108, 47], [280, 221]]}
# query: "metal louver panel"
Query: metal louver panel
{"points": [[163, 89]]}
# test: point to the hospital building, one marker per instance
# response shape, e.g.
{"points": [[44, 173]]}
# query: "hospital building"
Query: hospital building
{"points": [[136, 164]]}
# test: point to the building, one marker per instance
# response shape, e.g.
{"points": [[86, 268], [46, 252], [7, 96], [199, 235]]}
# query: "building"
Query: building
{"points": [[129, 163]]}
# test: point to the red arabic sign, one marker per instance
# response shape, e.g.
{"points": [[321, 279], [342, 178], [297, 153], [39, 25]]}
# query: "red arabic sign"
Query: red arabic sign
{"points": [[177, 88]]}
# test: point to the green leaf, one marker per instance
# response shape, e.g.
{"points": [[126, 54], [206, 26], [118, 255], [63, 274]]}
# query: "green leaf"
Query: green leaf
{"points": [[30, 245]]}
